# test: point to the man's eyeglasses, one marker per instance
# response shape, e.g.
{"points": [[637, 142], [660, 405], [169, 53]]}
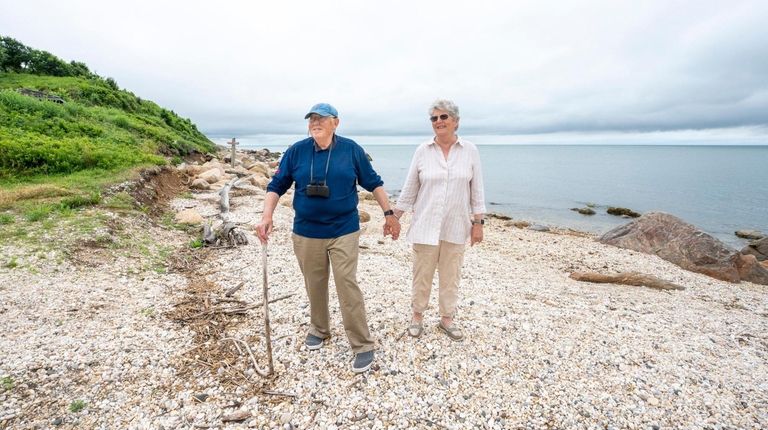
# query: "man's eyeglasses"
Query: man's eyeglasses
{"points": [[443, 117]]}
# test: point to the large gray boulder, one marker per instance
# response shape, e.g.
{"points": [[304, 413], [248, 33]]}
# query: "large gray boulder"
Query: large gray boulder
{"points": [[681, 243]]}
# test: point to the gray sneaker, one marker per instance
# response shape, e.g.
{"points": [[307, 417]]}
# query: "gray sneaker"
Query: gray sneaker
{"points": [[363, 362], [313, 342]]}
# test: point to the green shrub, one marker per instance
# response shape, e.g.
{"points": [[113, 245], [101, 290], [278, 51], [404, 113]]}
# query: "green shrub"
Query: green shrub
{"points": [[38, 213], [7, 383], [80, 201], [98, 127], [76, 406]]}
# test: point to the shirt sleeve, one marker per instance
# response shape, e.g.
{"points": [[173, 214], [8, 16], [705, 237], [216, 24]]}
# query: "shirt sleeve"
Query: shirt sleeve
{"points": [[366, 176], [411, 187], [476, 189], [283, 177]]}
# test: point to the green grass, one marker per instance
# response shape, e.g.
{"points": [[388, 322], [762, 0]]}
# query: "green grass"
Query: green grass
{"points": [[196, 243], [80, 201], [7, 383], [38, 213], [11, 264], [16, 191], [6, 219], [121, 200], [76, 406], [17, 233]]}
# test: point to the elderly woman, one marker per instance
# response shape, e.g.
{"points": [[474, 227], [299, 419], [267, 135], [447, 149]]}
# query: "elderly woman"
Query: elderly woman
{"points": [[444, 190]]}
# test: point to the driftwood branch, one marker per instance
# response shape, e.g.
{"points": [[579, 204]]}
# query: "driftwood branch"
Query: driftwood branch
{"points": [[229, 310], [224, 193], [255, 306], [267, 328], [627, 278], [227, 235], [279, 393], [234, 289], [262, 373]]}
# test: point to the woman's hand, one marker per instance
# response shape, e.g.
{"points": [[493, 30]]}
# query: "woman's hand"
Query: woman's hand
{"points": [[476, 235], [392, 226]]}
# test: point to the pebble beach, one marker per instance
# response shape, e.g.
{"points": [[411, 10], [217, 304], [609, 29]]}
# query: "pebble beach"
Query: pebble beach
{"points": [[102, 331]]}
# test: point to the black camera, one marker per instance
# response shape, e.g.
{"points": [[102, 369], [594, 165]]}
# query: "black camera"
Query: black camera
{"points": [[318, 190]]}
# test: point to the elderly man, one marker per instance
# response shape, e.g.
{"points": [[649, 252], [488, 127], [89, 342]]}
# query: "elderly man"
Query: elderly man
{"points": [[326, 169]]}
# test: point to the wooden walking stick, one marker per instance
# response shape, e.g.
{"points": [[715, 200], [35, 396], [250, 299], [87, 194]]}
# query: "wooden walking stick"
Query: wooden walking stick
{"points": [[267, 329]]}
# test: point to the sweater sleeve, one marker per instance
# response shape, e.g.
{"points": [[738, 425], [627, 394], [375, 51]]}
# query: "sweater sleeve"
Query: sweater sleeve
{"points": [[283, 177], [366, 176]]}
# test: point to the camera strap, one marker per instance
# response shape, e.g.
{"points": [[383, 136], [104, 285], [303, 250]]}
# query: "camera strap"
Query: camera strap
{"points": [[327, 163]]}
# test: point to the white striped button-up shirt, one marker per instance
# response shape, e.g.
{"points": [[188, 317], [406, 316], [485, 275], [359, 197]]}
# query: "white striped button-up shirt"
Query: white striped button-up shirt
{"points": [[443, 194]]}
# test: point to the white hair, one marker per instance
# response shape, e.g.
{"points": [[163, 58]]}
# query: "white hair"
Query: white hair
{"points": [[446, 105]]}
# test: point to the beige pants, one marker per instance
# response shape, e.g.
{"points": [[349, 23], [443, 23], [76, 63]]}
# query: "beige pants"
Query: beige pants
{"points": [[447, 259], [315, 256]]}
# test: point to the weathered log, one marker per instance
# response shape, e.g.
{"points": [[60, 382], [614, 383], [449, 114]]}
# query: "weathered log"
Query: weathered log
{"points": [[627, 278], [224, 193], [209, 236], [226, 235]]}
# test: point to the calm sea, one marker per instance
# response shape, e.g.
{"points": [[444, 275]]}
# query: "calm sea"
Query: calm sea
{"points": [[720, 189]]}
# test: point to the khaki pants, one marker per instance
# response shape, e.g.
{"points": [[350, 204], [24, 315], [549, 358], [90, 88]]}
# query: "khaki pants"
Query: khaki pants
{"points": [[314, 256], [447, 259]]}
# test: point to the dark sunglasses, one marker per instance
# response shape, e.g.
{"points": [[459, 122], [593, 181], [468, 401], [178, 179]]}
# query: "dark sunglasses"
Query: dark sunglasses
{"points": [[442, 117]]}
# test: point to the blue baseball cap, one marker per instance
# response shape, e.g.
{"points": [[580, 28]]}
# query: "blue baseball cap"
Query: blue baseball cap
{"points": [[323, 109]]}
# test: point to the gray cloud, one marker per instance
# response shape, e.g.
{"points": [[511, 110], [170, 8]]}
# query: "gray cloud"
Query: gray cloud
{"points": [[513, 67]]}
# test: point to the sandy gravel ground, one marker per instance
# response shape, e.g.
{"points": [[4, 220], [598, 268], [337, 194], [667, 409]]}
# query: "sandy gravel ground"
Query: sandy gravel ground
{"points": [[99, 327]]}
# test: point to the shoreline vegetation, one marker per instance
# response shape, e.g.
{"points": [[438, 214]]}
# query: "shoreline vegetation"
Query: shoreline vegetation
{"points": [[129, 300]]}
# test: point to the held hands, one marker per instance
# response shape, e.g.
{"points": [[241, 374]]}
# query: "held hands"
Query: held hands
{"points": [[391, 226], [263, 230]]}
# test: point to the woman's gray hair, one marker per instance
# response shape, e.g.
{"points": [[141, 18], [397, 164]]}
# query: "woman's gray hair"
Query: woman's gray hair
{"points": [[446, 105]]}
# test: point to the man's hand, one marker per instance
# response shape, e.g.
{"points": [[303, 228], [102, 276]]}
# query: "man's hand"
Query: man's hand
{"points": [[391, 226], [263, 230]]}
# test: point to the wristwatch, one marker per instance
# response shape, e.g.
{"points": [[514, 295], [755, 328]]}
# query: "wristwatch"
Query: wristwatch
{"points": [[481, 222], [389, 212]]}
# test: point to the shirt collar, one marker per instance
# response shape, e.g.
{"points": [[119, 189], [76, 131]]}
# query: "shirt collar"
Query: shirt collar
{"points": [[458, 140], [317, 148]]}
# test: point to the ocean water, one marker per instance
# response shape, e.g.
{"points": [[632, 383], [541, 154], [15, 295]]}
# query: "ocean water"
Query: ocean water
{"points": [[719, 189]]}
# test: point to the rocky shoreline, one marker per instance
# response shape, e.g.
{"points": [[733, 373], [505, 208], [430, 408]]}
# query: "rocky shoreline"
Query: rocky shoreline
{"points": [[143, 347]]}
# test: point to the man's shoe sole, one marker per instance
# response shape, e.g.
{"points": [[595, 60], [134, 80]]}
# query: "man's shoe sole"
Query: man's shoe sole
{"points": [[314, 347], [364, 369]]}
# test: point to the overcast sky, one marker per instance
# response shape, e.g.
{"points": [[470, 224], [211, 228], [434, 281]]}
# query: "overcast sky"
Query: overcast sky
{"points": [[513, 67]]}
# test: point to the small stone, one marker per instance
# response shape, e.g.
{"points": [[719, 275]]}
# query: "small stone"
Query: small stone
{"points": [[58, 421], [236, 416]]}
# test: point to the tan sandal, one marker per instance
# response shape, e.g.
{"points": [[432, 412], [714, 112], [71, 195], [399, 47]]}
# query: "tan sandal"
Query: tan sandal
{"points": [[415, 329], [453, 331]]}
